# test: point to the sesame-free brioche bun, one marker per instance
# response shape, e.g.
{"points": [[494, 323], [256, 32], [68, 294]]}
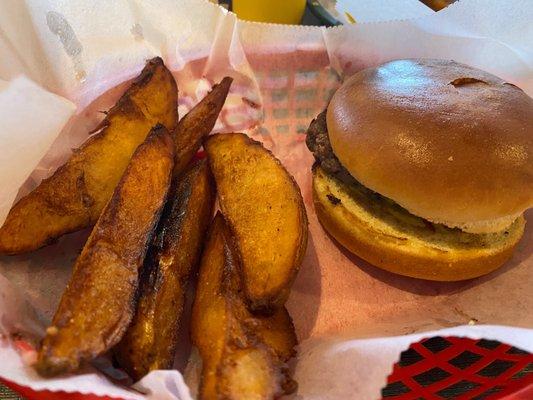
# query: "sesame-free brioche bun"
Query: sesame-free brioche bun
{"points": [[448, 142], [387, 236]]}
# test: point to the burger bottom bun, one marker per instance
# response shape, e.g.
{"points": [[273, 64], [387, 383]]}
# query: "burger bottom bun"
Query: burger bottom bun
{"points": [[387, 236]]}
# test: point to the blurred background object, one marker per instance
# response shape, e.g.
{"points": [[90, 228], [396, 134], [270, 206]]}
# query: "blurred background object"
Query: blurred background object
{"points": [[274, 11], [330, 12], [437, 4], [338, 12], [224, 3]]}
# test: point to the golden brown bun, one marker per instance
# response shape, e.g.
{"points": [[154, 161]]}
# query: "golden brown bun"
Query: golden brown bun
{"points": [[448, 142], [387, 236]]}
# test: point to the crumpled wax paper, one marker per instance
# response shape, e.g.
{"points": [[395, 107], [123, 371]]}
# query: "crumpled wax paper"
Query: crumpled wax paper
{"points": [[31, 118], [284, 76]]}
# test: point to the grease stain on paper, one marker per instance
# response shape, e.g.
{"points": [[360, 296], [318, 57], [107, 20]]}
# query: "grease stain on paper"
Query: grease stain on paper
{"points": [[137, 32], [59, 26]]}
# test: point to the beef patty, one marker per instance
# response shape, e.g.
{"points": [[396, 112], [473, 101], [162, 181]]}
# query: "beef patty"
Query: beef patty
{"points": [[318, 143]]}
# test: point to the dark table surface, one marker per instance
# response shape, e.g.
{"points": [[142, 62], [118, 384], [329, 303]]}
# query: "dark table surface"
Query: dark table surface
{"points": [[7, 394]]}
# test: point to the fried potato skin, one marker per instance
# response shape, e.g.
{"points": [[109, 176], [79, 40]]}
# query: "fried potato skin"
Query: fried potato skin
{"points": [[99, 300], [74, 196], [151, 339], [194, 127], [264, 208], [236, 363], [277, 332], [209, 314]]}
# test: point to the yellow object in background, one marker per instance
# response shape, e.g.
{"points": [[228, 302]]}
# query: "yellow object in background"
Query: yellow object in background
{"points": [[276, 11]]}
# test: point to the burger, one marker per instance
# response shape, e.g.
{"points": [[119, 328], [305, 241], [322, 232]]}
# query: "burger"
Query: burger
{"points": [[424, 168]]}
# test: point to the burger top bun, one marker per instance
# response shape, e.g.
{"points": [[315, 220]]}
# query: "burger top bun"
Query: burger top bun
{"points": [[448, 142]]}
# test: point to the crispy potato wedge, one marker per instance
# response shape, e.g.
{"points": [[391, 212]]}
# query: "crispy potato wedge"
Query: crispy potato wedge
{"points": [[74, 196], [151, 339], [265, 210], [198, 123], [99, 301], [248, 373], [277, 332], [236, 362]]}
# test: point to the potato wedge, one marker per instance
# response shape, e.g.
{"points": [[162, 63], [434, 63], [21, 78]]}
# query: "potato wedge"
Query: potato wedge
{"points": [[99, 301], [236, 362], [277, 332], [248, 373], [265, 210], [74, 196], [151, 339], [198, 123]]}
